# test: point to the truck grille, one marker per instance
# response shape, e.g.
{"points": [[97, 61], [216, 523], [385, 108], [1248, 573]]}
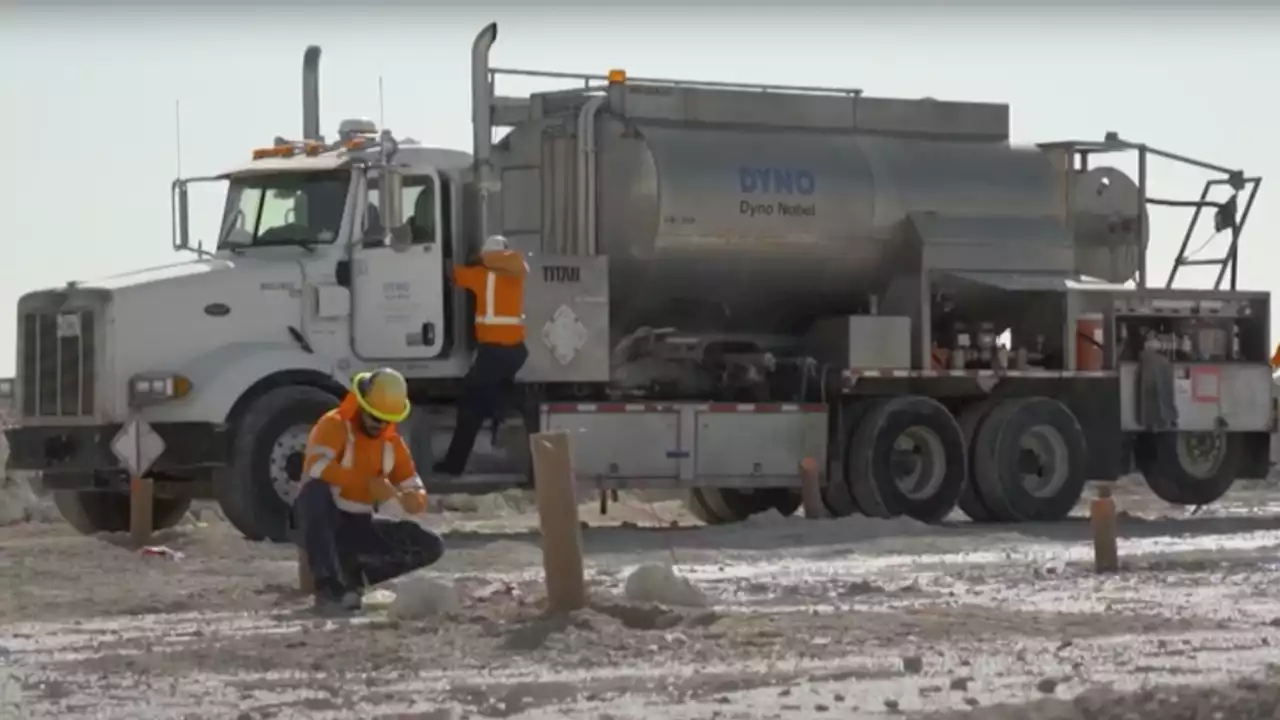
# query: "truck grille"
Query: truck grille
{"points": [[57, 366]]}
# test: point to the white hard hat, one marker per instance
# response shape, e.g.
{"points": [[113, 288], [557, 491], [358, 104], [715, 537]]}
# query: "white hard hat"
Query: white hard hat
{"points": [[496, 242]]}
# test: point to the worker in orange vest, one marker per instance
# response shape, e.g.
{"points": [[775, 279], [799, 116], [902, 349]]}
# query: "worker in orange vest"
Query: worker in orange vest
{"points": [[355, 461], [497, 282]]}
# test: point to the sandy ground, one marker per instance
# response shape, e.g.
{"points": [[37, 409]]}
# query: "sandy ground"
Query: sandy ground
{"points": [[849, 618]]}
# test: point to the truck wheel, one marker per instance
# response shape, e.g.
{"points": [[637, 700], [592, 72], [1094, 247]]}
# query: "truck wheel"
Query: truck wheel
{"points": [[1186, 468], [838, 498], [971, 502], [907, 457], [257, 488], [714, 506], [837, 494], [694, 504], [95, 512], [737, 505], [785, 500], [1029, 460]]}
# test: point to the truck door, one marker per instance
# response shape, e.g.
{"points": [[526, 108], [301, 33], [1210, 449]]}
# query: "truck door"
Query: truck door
{"points": [[398, 293]]}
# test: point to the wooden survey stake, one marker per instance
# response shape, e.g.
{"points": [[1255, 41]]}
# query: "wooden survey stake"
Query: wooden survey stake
{"points": [[137, 445], [1102, 516], [810, 490], [556, 489], [141, 502]]}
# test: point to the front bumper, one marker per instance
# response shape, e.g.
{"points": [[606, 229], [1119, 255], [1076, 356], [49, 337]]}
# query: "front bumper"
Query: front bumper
{"points": [[190, 447]]}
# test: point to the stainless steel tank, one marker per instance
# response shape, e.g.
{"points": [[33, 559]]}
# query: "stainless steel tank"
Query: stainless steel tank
{"points": [[757, 230], [761, 229]]}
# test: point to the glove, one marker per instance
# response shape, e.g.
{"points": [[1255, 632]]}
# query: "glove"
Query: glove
{"points": [[413, 501]]}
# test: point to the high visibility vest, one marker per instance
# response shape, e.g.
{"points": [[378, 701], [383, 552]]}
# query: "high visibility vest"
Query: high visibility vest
{"points": [[355, 498], [487, 312], [499, 298]]}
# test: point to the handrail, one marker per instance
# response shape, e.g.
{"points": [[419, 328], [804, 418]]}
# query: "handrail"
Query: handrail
{"points": [[1228, 216], [587, 79]]}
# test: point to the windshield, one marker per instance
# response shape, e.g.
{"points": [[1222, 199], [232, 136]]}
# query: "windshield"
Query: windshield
{"points": [[293, 208]]}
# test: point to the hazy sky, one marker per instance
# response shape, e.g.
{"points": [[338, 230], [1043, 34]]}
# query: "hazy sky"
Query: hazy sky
{"points": [[88, 100]]}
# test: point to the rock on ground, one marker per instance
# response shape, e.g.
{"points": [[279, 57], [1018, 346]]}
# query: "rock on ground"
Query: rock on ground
{"points": [[660, 583], [418, 596]]}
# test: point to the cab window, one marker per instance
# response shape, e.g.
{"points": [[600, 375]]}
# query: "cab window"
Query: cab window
{"points": [[418, 203]]}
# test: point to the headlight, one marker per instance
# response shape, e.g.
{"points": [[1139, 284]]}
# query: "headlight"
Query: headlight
{"points": [[6, 387], [148, 389]]}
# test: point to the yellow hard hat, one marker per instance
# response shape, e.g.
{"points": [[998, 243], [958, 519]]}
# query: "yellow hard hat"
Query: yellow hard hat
{"points": [[383, 394]]}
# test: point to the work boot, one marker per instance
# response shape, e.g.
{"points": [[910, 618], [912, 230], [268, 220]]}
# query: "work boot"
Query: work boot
{"points": [[334, 600], [352, 601]]}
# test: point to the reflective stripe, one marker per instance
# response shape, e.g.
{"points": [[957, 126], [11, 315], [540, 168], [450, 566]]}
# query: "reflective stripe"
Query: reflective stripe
{"points": [[388, 457], [349, 452], [323, 456], [490, 317], [317, 467], [412, 483]]}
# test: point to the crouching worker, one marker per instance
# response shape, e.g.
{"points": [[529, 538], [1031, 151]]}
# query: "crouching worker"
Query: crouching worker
{"points": [[355, 461]]}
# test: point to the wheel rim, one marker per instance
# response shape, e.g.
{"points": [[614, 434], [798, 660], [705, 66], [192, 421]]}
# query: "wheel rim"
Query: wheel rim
{"points": [[918, 462], [285, 466], [1044, 461], [1200, 454]]}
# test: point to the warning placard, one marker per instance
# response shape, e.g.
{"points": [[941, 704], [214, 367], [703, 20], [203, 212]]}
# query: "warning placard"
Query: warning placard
{"points": [[1205, 382]]}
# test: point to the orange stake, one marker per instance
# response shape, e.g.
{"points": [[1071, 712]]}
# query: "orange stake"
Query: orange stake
{"points": [[1102, 516], [810, 492]]}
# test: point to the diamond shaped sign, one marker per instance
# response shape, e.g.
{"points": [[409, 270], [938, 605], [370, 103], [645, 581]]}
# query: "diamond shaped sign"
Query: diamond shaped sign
{"points": [[137, 445], [564, 334]]}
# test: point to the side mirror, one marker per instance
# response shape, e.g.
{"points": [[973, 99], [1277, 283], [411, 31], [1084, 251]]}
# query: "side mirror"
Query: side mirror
{"points": [[181, 215]]}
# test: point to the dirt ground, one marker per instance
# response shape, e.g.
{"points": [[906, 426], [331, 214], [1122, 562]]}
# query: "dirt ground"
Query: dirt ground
{"points": [[835, 618]]}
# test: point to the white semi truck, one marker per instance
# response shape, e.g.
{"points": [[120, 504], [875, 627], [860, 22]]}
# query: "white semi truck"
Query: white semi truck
{"points": [[727, 279]]}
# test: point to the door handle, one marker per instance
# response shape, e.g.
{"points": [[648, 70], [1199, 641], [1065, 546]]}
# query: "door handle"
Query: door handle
{"points": [[342, 273]]}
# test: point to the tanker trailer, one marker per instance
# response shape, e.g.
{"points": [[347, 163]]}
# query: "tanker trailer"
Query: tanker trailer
{"points": [[726, 281]]}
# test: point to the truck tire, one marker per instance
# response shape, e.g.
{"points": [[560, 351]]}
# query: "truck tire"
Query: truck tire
{"points": [[838, 498], [1184, 468], [837, 494], [715, 506], [694, 503], [745, 503], [971, 503], [877, 456], [1020, 433], [95, 512], [785, 500], [256, 488]]}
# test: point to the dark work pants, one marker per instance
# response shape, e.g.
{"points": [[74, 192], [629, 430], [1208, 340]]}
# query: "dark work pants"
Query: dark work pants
{"points": [[352, 550], [484, 392]]}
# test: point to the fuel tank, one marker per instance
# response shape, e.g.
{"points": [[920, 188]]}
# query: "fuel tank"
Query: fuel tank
{"points": [[761, 229]]}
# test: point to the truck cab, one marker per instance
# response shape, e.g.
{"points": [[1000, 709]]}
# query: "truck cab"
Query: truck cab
{"points": [[224, 361], [376, 286]]}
